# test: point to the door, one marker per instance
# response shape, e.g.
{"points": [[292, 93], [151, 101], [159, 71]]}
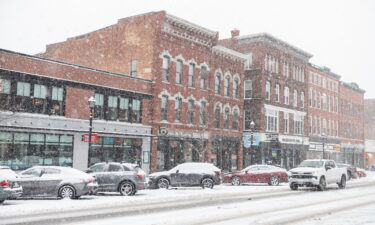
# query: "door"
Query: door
{"points": [[98, 171], [179, 178], [112, 176], [30, 182], [331, 173], [251, 175], [49, 181]]}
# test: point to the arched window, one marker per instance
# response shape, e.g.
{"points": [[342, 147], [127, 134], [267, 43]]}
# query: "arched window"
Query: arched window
{"points": [[164, 107], [226, 86], [177, 109], [217, 83], [166, 60], [295, 98], [226, 118], [203, 77], [235, 119], [179, 69], [235, 87], [217, 116]]}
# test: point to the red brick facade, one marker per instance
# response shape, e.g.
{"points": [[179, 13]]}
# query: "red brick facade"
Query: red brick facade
{"points": [[147, 38]]}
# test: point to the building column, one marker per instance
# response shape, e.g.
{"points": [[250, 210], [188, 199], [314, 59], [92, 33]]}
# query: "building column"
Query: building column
{"points": [[80, 153], [146, 154]]}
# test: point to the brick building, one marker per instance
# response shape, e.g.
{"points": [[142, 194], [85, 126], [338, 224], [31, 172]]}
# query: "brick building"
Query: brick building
{"points": [[44, 114], [351, 123], [275, 99], [323, 102], [369, 111], [196, 112]]}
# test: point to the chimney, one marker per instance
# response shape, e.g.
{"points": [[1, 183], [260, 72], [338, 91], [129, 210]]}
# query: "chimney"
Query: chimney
{"points": [[235, 33]]}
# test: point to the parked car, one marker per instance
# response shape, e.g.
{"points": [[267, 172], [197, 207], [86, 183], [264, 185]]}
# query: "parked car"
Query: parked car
{"points": [[125, 178], [361, 172], [271, 175], [9, 187], [55, 181], [317, 173], [189, 174], [350, 170]]}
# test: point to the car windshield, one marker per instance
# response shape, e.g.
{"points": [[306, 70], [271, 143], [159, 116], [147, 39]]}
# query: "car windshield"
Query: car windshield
{"points": [[313, 164]]}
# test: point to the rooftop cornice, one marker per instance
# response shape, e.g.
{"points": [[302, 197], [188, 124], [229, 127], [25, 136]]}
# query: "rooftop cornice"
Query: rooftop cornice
{"points": [[352, 86], [267, 38], [321, 69], [204, 31], [221, 50]]}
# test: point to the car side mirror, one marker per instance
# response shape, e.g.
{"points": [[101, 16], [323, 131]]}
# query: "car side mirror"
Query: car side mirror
{"points": [[88, 171], [328, 167], [177, 171], [41, 173], [246, 171]]}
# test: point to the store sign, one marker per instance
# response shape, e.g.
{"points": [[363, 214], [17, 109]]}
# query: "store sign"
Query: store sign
{"points": [[94, 137], [247, 140]]}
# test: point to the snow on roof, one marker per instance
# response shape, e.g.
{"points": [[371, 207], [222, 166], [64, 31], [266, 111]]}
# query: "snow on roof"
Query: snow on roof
{"points": [[230, 53], [265, 37]]}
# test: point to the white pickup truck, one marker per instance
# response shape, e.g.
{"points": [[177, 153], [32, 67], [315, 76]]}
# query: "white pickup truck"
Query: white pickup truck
{"points": [[317, 173]]}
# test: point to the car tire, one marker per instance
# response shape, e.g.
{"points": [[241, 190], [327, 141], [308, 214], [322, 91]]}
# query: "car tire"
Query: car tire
{"points": [[207, 183], [322, 184], [342, 183], [67, 191], [162, 183], [274, 181], [293, 186], [236, 181], [127, 188]]}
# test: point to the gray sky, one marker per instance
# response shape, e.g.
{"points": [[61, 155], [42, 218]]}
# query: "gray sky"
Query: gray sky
{"points": [[339, 33]]}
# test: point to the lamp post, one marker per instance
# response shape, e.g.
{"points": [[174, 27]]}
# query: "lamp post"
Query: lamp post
{"points": [[91, 105], [252, 124], [324, 140]]}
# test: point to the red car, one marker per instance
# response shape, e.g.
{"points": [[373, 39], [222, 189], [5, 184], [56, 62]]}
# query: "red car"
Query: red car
{"points": [[361, 172], [271, 175]]}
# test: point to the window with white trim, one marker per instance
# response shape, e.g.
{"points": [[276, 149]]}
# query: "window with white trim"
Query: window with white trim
{"points": [[179, 69], [286, 122], [203, 77], [226, 86], [217, 83], [177, 109], [133, 68], [295, 98], [165, 75], [272, 118], [286, 95], [277, 93], [268, 90], [164, 107], [302, 99], [298, 124], [235, 87], [248, 89], [191, 75]]}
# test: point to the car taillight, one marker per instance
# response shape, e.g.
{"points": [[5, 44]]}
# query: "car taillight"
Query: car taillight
{"points": [[88, 180], [4, 183], [141, 175]]}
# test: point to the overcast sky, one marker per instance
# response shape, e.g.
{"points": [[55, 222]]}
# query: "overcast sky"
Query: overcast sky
{"points": [[339, 33]]}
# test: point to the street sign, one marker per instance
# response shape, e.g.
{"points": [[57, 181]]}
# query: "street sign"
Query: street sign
{"points": [[94, 137]]}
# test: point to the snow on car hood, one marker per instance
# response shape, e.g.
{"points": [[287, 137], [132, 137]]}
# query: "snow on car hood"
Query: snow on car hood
{"points": [[305, 170]]}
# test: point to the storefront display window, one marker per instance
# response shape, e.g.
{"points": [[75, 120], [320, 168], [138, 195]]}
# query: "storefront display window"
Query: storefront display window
{"points": [[23, 150], [116, 149]]}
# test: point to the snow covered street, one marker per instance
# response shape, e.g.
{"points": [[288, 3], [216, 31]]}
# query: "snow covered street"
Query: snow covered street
{"points": [[255, 204]]}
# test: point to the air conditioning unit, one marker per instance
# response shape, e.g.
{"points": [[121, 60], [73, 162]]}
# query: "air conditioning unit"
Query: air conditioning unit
{"points": [[163, 131]]}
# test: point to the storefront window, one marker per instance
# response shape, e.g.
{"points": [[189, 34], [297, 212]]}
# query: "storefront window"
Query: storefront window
{"points": [[23, 150], [116, 149]]}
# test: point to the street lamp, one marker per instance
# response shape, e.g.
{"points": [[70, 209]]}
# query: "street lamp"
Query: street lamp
{"points": [[252, 124], [91, 105], [324, 140]]}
